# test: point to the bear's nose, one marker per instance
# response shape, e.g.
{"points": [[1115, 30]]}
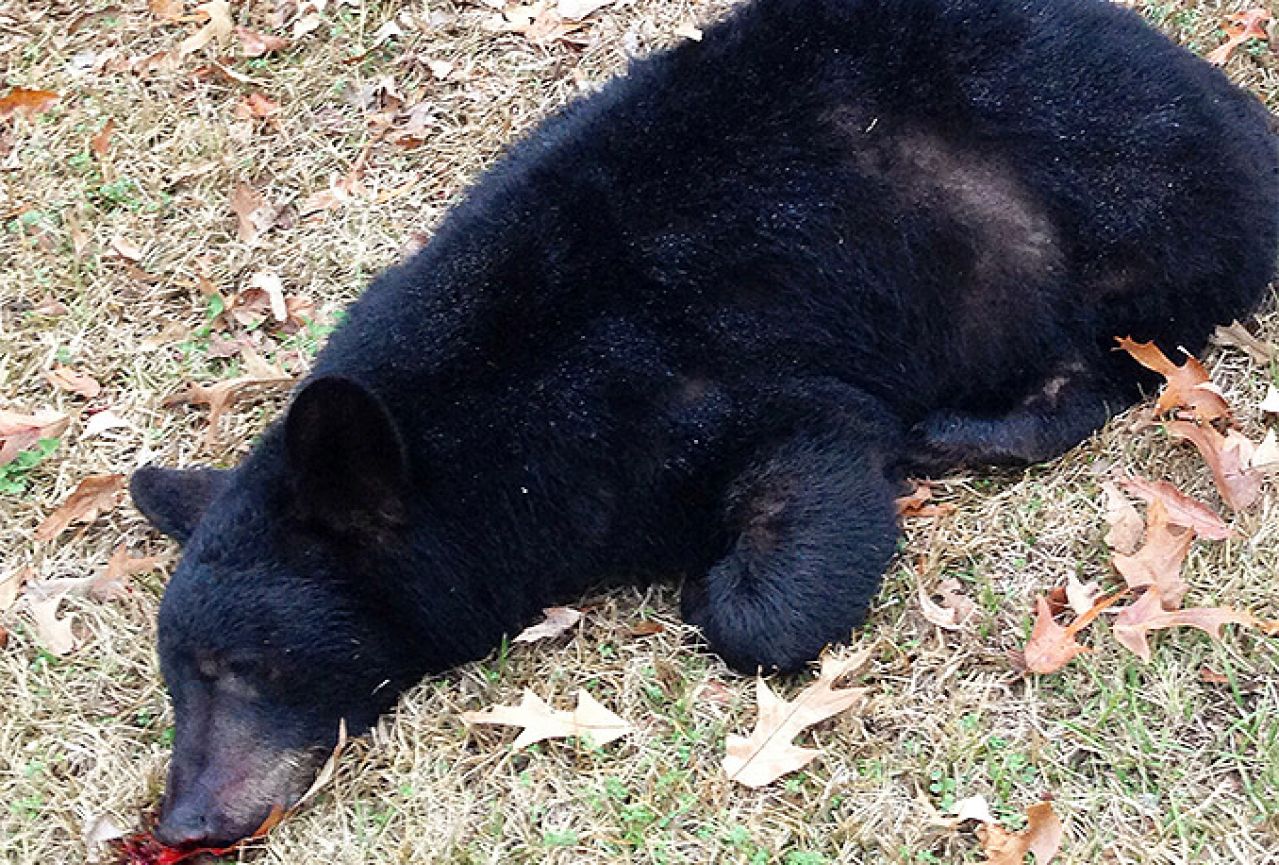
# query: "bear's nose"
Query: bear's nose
{"points": [[184, 824]]}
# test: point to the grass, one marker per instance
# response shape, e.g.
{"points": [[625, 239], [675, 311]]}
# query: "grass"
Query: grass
{"points": [[1148, 764]]}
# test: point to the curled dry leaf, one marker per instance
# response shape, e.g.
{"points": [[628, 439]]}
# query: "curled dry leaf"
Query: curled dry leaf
{"points": [[1052, 646], [66, 378], [1265, 459], [112, 583], [1237, 336], [53, 631], [767, 754], [557, 621], [1081, 596], [253, 213], [1179, 508], [256, 44], [1124, 534], [217, 27], [917, 503], [20, 100], [92, 497], [646, 628], [970, 808], [1240, 27], [576, 10], [1270, 405], [221, 396], [102, 421], [1042, 837], [18, 432], [540, 721], [1134, 622], [101, 142], [1187, 386], [256, 106], [12, 583], [1158, 562], [1229, 457], [954, 610]]}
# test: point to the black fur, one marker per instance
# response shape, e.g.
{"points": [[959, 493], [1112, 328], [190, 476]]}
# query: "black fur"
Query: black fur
{"points": [[701, 322]]}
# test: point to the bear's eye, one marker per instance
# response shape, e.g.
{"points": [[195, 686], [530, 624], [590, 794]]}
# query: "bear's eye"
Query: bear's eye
{"points": [[207, 668]]}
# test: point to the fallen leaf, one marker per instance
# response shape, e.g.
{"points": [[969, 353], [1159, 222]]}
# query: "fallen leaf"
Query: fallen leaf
{"points": [[1187, 386], [253, 214], [1212, 677], [1180, 509], [92, 497], [1270, 405], [53, 632], [1041, 837], [1229, 457], [125, 248], [221, 396], [4, 637], [1240, 28], [101, 142], [1126, 525], [100, 830], [916, 503], [65, 378], [541, 722], [18, 432], [166, 10], [112, 583], [101, 422], [28, 102], [216, 29], [557, 621], [970, 808], [576, 10], [1081, 596], [50, 305], [954, 610], [256, 44], [1052, 646], [1134, 622], [1158, 562], [768, 753], [1265, 459], [12, 584], [1237, 336], [256, 106], [646, 628], [322, 779]]}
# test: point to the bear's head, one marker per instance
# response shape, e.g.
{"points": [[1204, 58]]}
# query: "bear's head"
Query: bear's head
{"points": [[279, 624]]}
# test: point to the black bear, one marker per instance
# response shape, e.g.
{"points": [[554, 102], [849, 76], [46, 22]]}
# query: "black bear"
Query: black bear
{"points": [[700, 323]]}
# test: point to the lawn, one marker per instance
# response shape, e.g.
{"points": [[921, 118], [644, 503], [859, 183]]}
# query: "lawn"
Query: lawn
{"points": [[127, 256]]}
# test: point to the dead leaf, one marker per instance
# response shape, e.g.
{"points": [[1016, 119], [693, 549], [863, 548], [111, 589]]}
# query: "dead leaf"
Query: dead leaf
{"points": [[1134, 622], [125, 248], [576, 10], [100, 422], [646, 628], [65, 378], [1237, 336], [1265, 459], [1187, 386], [166, 10], [18, 432], [254, 215], [970, 808], [557, 621], [256, 106], [92, 497], [916, 503], [1124, 535], [112, 583], [1240, 28], [1229, 457], [256, 44], [99, 830], [1180, 509], [768, 753], [1042, 837], [53, 632], [101, 142], [1270, 405], [50, 305], [1052, 646], [28, 102], [540, 721], [326, 773], [1081, 596], [216, 29], [1158, 562], [954, 610], [341, 191], [12, 584], [221, 396]]}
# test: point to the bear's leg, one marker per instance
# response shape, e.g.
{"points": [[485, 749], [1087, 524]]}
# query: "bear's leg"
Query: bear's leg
{"points": [[1060, 414], [812, 527]]}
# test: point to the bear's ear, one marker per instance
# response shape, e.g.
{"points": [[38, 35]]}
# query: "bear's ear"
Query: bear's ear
{"points": [[346, 461], [174, 500]]}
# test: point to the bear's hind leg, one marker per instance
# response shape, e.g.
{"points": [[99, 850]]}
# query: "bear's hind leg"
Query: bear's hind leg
{"points": [[813, 527], [1062, 412]]}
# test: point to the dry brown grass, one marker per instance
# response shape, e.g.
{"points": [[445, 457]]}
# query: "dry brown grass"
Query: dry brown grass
{"points": [[1148, 764]]}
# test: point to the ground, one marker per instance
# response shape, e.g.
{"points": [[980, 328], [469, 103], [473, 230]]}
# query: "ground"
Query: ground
{"points": [[1153, 763]]}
